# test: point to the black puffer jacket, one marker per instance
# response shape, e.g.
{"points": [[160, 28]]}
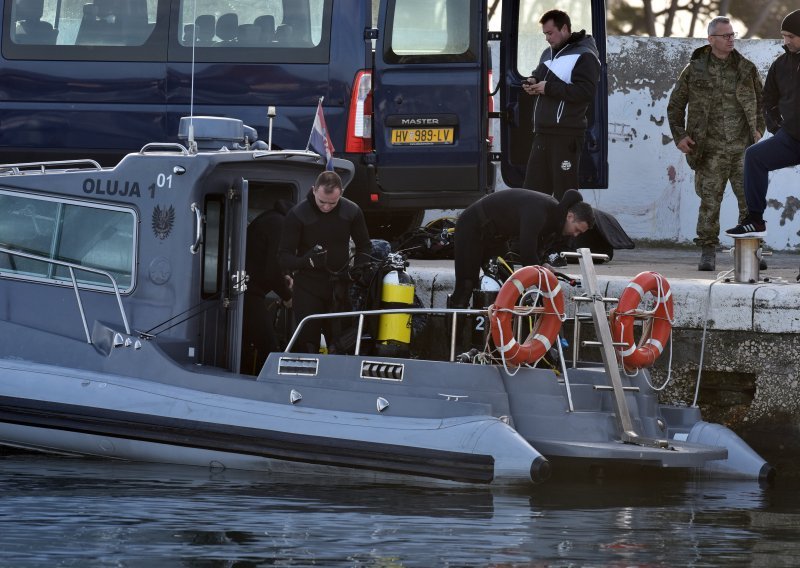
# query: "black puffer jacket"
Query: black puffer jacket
{"points": [[782, 95], [572, 75]]}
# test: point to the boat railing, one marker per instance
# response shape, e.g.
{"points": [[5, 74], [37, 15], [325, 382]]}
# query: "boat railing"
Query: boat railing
{"points": [[75, 285], [48, 167], [361, 315]]}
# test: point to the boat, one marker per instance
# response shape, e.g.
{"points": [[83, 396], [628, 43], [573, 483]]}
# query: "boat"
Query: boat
{"points": [[121, 324]]}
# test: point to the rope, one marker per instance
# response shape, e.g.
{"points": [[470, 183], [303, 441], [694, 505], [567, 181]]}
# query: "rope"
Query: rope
{"points": [[703, 339]]}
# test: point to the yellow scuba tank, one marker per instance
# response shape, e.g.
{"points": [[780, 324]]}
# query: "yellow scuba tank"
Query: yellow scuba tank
{"points": [[397, 290]]}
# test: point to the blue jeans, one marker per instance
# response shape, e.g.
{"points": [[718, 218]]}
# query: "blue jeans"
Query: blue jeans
{"points": [[779, 151]]}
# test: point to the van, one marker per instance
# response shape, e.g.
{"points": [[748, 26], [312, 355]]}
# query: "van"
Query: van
{"points": [[404, 83]]}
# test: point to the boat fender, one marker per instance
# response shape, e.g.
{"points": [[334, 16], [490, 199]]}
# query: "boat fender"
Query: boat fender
{"points": [[742, 462], [544, 334], [622, 320]]}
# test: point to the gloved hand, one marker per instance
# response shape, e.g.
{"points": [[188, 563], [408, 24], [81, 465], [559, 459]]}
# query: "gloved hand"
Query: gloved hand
{"points": [[316, 257]]}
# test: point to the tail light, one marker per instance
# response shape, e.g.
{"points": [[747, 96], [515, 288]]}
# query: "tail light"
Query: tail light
{"points": [[359, 123]]}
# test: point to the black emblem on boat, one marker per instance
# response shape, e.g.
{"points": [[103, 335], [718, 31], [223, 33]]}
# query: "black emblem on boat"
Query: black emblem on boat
{"points": [[163, 219]]}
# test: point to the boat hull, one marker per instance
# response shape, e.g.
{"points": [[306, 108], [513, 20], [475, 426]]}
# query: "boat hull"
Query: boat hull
{"points": [[51, 409]]}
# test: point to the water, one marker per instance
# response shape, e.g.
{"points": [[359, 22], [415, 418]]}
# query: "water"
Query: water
{"points": [[79, 512]]}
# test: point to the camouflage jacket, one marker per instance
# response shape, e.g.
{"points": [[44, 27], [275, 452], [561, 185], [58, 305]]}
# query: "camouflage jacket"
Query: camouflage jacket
{"points": [[694, 88]]}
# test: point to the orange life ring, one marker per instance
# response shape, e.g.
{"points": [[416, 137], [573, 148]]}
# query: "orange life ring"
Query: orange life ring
{"points": [[544, 334], [622, 318]]}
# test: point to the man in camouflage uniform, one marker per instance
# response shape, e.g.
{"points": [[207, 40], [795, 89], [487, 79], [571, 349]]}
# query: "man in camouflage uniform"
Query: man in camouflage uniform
{"points": [[723, 92]]}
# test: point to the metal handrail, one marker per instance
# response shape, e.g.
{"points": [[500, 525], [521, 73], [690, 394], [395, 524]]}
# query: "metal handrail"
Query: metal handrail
{"points": [[361, 314], [17, 169], [75, 286]]}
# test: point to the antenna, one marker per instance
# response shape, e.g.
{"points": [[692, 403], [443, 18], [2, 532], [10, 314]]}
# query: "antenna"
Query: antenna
{"points": [[192, 143]]}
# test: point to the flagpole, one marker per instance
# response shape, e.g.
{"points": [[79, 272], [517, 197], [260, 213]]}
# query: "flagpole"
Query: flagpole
{"points": [[316, 113]]}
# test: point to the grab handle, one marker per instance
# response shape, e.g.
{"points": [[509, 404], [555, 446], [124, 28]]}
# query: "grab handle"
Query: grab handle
{"points": [[198, 235]]}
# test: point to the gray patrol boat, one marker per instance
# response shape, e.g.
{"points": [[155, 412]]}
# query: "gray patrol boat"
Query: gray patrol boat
{"points": [[121, 327]]}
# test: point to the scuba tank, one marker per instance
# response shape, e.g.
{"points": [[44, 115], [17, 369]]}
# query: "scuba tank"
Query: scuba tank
{"points": [[397, 290]]}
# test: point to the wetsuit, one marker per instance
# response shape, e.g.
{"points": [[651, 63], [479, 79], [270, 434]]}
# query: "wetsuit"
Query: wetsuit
{"points": [[485, 227], [325, 286]]}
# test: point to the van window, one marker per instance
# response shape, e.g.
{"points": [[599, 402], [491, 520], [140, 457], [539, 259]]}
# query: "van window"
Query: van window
{"points": [[88, 235], [530, 40], [136, 30], [78, 22], [431, 31], [270, 23]]}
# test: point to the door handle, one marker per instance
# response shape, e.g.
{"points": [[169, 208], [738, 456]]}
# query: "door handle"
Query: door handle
{"points": [[199, 220]]}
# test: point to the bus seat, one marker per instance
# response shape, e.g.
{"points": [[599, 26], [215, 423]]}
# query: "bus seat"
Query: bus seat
{"points": [[204, 27], [227, 27], [133, 22], [283, 34], [30, 28], [266, 24], [188, 32], [99, 25], [249, 34]]}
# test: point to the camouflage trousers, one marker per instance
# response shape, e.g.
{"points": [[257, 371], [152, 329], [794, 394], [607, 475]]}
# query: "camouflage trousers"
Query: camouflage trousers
{"points": [[710, 179]]}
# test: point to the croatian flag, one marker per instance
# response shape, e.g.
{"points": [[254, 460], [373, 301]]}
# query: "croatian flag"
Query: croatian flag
{"points": [[320, 141]]}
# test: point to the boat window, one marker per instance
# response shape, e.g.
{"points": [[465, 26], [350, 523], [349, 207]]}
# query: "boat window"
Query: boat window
{"points": [[212, 245], [94, 236], [428, 31]]}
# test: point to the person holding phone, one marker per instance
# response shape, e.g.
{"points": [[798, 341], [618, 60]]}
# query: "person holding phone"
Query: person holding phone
{"points": [[564, 84]]}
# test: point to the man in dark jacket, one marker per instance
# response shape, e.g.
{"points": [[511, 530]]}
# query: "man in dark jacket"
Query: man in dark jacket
{"points": [[536, 219], [258, 332], [315, 246], [722, 91], [782, 111], [564, 85]]}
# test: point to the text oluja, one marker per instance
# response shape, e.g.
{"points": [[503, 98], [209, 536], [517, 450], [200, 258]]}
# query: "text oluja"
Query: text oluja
{"points": [[112, 187]]}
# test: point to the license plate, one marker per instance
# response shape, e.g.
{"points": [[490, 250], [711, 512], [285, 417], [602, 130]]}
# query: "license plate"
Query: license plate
{"points": [[422, 136]]}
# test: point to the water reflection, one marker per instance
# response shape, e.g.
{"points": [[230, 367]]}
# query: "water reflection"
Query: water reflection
{"points": [[77, 512]]}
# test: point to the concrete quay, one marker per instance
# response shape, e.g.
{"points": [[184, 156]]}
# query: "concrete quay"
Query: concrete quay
{"points": [[750, 354]]}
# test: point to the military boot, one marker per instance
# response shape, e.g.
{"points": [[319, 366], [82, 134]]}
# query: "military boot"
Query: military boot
{"points": [[708, 259]]}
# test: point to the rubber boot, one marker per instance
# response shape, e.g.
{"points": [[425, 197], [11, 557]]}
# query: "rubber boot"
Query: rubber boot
{"points": [[708, 259]]}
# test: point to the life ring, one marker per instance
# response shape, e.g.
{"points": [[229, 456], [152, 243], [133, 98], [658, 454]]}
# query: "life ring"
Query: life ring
{"points": [[652, 344], [544, 334]]}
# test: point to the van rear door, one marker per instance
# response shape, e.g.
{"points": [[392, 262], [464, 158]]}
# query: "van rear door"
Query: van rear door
{"points": [[430, 103], [522, 43]]}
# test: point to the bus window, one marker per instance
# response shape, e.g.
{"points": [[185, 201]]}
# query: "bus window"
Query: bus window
{"points": [[76, 22]]}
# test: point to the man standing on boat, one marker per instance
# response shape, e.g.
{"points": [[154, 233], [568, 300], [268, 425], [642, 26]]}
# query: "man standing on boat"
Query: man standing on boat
{"points": [[722, 90], [536, 219], [315, 246]]}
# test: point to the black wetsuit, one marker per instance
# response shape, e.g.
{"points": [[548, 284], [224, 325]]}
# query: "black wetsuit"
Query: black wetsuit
{"points": [[324, 287], [534, 218]]}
